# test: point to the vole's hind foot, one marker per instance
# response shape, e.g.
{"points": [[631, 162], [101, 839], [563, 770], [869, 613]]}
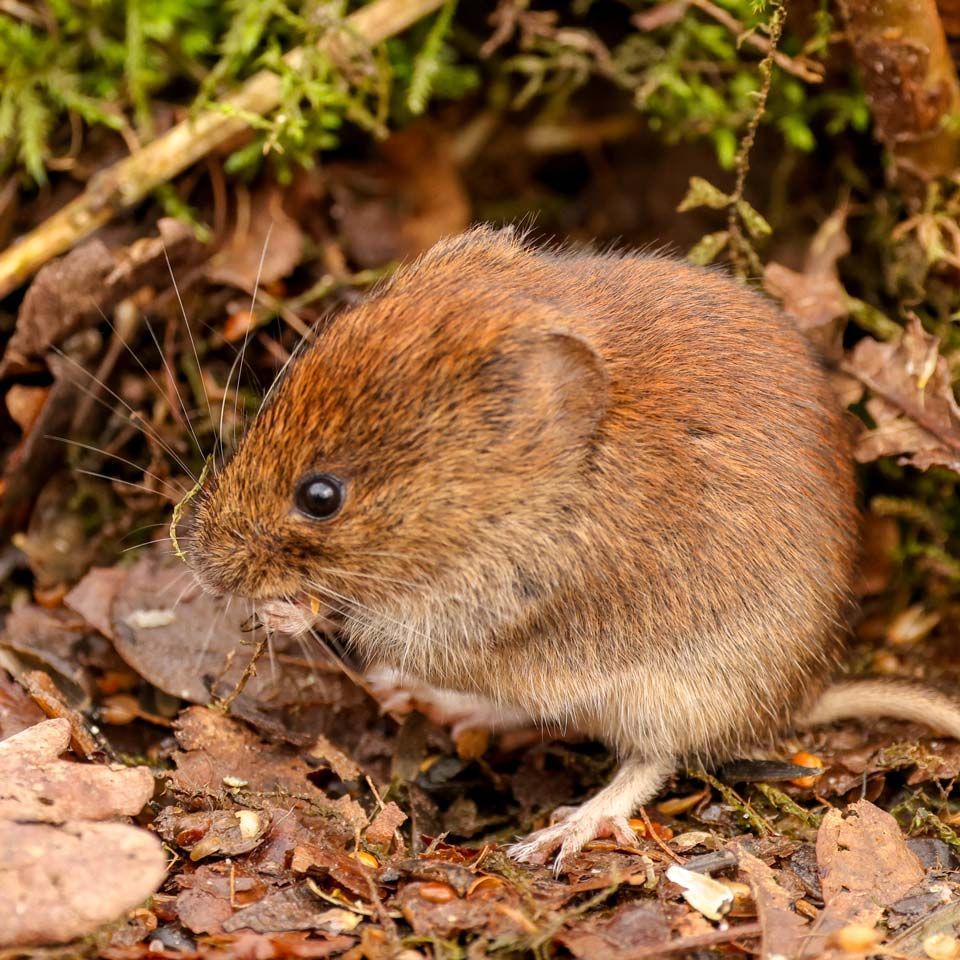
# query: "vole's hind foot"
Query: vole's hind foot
{"points": [[604, 815], [569, 836]]}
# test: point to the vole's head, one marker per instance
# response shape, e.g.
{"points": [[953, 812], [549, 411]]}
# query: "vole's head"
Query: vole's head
{"points": [[436, 435]]}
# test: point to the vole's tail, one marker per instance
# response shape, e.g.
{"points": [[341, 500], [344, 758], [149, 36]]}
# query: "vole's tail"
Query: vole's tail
{"points": [[880, 698]]}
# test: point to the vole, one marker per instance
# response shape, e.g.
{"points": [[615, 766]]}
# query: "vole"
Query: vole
{"points": [[599, 489]]}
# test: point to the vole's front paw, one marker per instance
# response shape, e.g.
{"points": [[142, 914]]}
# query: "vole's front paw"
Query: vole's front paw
{"points": [[569, 835]]}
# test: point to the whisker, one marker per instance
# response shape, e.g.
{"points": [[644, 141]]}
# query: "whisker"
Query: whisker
{"points": [[126, 483], [178, 491], [369, 610], [136, 419], [143, 366], [246, 333], [147, 543], [173, 382], [186, 323]]}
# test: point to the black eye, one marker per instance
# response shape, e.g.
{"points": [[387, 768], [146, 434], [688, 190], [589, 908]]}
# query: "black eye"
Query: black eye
{"points": [[320, 497]]}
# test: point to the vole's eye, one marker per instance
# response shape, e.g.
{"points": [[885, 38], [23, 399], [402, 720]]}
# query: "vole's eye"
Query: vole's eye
{"points": [[320, 496]]}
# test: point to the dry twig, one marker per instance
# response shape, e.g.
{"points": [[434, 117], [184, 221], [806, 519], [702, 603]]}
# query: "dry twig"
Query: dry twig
{"points": [[129, 181]]}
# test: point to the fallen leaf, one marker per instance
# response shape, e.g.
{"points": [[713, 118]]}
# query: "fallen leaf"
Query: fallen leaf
{"points": [[292, 908], [403, 205], [630, 926], [864, 864], [784, 932], [76, 290], [322, 858], [35, 785], [342, 765], [813, 295], [93, 596], [384, 825], [18, 711], [61, 883], [911, 402], [268, 247], [218, 753], [187, 643], [222, 833]]}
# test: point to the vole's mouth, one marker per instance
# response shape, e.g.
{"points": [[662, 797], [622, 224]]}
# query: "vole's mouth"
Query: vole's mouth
{"points": [[301, 614]]}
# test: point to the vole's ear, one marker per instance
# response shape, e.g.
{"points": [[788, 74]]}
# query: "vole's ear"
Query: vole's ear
{"points": [[566, 387]]}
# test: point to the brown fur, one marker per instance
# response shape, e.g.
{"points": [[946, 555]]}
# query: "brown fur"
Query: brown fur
{"points": [[606, 490]]}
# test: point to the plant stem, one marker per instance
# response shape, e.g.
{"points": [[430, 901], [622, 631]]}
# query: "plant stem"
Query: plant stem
{"points": [[130, 180]]}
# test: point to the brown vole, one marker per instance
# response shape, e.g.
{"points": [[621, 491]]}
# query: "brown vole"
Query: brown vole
{"points": [[609, 491]]}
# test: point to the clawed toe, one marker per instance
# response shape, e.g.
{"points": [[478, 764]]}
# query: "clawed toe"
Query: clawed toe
{"points": [[569, 836]]}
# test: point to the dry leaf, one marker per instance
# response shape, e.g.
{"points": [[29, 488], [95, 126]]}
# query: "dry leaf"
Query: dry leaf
{"points": [[217, 752], [35, 785], [61, 883], [93, 596], [268, 247], [70, 293], [911, 401], [385, 823], [784, 931], [864, 864], [814, 295], [342, 765]]}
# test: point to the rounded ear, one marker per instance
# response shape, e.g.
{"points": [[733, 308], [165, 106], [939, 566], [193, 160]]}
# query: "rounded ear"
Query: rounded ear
{"points": [[566, 384]]}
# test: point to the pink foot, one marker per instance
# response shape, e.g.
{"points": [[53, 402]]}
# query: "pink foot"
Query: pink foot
{"points": [[569, 836], [605, 814]]}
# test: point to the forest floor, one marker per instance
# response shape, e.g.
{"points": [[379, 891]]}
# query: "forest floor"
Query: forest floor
{"points": [[297, 819]]}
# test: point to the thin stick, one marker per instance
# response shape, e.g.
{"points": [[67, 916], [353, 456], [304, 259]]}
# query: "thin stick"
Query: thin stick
{"points": [[248, 671], [129, 181]]}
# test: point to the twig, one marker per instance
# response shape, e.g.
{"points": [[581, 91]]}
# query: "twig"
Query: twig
{"points": [[248, 671], [805, 69], [742, 254], [128, 181]]}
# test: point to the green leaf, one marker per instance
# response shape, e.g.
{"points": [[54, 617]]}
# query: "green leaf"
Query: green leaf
{"points": [[756, 225], [702, 193], [706, 249]]}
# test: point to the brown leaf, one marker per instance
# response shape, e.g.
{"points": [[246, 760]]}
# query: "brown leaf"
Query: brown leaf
{"points": [[385, 823], [269, 247], [784, 931], [323, 859], [187, 642], [222, 833], [18, 711], [70, 293], [864, 864], [292, 908], [631, 926], [35, 785], [61, 883], [814, 295], [93, 596], [912, 400], [342, 765], [217, 752], [501, 916], [402, 206]]}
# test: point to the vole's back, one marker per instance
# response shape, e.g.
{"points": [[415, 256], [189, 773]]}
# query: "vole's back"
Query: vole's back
{"points": [[714, 559]]}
